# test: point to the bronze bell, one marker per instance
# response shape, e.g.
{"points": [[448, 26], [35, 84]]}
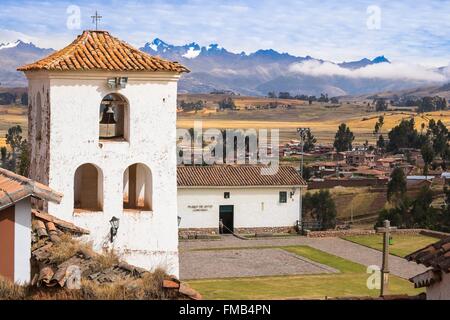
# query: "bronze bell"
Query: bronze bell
{"points": [[108, 124]]}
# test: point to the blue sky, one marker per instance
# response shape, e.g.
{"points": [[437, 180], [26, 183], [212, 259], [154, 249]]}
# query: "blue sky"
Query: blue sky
{"points": [[410, 31]]}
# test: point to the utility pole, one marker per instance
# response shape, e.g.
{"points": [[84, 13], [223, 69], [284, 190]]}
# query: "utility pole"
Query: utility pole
{"points": [[302, 132], [385, 230]]}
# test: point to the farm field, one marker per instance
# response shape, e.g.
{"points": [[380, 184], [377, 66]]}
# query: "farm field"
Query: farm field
{"points": [[402, 245], [11, 116], [351, 281], [322, 118]]}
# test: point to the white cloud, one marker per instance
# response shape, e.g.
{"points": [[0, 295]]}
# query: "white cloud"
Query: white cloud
{"points": [[392, 71]]}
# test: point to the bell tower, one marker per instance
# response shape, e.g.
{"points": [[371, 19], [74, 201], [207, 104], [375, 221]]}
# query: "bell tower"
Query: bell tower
{"points": [[102, 128]]}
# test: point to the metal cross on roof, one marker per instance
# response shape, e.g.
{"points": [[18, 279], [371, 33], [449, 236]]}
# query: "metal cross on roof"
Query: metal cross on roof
{"points": [[96, 19], [385, 230]]}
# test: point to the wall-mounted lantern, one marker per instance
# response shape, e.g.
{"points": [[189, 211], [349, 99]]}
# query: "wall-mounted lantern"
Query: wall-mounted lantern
{"points": [[179, 220], [114, 227]]}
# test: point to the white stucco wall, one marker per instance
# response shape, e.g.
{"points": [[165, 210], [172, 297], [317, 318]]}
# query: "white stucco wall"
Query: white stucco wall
{"points": [[146, 239], [22, 241], [440, 290], [253, 207]]}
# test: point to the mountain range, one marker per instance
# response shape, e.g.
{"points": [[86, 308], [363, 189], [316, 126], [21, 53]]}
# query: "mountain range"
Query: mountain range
{"points": [[213, 68]]}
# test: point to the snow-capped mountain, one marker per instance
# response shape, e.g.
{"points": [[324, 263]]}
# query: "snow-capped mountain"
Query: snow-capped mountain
{"points": [[15, 54], [215, 68]]}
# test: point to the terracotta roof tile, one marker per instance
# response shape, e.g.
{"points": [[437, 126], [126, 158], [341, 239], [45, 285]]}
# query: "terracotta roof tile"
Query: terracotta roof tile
{"points": [[98, 50], [436, 256], [14, 187], [236, 176]]}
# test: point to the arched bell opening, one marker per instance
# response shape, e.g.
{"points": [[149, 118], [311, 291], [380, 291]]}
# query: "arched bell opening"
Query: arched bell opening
{"points": [[114, 118]]}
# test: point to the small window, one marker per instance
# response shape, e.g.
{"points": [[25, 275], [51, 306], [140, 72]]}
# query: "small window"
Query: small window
{"points": [[226, 195], [283, 197]]}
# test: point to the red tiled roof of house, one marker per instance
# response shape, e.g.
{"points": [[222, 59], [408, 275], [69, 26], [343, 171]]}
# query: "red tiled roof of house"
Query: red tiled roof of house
{"points": [[98, 50], [436, 256], [236, 176], [14, 188]]}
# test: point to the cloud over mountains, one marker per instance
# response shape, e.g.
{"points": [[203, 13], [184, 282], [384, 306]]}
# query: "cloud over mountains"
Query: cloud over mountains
{"points": [[384, 71]]}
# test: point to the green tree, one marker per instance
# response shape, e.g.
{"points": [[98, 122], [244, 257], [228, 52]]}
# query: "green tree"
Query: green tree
{"points": [[307, 173], [381, 144], [396, 191], [14, 140], [309, 141], [19, 154], [24, 160], [343, 139], [422, 215], [404, 135], [3, 157], [438, 134], [227, 103], [428, 156], [321, 207], [381, 105]]}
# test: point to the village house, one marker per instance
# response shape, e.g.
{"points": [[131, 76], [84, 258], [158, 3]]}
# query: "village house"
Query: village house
{"points": [[359, 158], [436, 279], [15, 223], [102, 128], [245, 200]]}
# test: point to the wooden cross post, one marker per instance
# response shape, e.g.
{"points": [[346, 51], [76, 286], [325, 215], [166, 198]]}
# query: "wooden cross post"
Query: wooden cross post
{"points": [[385, 230]]}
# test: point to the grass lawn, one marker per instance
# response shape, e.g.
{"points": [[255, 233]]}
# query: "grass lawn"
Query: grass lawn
{"points": [[402, 246], [350, 282], [286, 287]]}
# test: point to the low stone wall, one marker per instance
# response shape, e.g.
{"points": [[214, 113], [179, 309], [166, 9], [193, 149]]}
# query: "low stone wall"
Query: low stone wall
{"points": [[347, 233], [337, 233], [436, 234], [265, 230], [197, 233]]}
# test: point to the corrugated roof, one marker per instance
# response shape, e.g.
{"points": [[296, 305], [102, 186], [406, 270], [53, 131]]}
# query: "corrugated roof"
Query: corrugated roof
{"points": [[14, 187], [436, 256], [98, 50], [236, 176]]}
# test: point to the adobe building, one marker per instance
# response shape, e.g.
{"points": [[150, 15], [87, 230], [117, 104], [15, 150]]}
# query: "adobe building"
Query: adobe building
{"points": [[102, 128], [245, 200], [15, 223]]}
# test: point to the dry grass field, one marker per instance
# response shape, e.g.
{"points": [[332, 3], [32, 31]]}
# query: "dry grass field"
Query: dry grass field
{"points": [[11, 116], [322, 118]]}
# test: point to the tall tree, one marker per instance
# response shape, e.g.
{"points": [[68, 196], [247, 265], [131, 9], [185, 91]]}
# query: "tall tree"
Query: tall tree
{"points": [[439, 135], [381, 144], [396, 191], [404, 135], [14, 140], [309, 141], [381, 105], [321, 207], [343, 139], [427, 156]]}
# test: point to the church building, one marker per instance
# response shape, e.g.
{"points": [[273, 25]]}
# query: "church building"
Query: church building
{"points": [[102, 128]]}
